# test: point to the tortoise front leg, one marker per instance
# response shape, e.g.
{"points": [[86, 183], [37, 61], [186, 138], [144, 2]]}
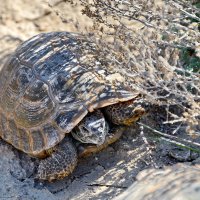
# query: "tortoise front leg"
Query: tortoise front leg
{"points": [[114, 134], [60, 163]]}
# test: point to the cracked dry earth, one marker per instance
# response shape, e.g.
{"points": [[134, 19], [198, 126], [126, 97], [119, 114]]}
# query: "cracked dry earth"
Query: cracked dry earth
{"points": [[101, 176]]}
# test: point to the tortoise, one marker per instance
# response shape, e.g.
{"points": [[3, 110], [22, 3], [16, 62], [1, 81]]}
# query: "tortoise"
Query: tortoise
{"points": [[51, 87]]}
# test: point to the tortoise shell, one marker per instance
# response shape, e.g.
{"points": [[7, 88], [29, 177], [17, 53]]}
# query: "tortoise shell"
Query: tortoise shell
{"points": [[48, 86]]}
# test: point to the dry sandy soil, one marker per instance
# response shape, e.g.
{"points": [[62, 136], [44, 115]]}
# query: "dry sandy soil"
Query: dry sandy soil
{"points": [[101, 176]]}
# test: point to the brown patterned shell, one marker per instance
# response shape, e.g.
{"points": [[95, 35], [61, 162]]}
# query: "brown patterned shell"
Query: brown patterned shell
{"points": [[47, 87]]}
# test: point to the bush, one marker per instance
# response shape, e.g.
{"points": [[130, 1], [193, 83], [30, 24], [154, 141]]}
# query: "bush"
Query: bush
{"points": [[155, 46]]}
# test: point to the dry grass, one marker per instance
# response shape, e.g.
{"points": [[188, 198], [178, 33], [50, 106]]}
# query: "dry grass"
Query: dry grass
{"points": [[144, 41]]}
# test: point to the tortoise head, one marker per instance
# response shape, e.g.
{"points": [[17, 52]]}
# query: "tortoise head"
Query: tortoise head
{"points": [[92, 129], [126, 113]]}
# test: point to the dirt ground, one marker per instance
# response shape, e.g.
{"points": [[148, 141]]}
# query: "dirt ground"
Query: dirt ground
{"points": [[101, 176]]}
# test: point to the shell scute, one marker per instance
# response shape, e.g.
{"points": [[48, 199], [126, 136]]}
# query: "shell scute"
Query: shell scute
{"points": [[68, 119], [12, 132], [3, 127], [7, 71], [28, 51], [52, 134], [35, 106], [53, 63], [25, 140], [38, 140], [16, 87]]}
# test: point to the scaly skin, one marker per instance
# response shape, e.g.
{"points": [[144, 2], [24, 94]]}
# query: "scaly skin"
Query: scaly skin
{"points": [[60, 163], [126, 113]]}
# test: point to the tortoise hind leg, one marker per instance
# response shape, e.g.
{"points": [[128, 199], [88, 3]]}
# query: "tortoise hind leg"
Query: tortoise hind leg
{"points": [[60, 163], [114, 134]]}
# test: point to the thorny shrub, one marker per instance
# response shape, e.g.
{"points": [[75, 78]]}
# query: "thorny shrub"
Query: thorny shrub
{"points": [[149, 42]]}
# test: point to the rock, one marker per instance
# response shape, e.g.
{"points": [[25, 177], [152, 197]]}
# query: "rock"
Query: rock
{"points": [[176, 182]]}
